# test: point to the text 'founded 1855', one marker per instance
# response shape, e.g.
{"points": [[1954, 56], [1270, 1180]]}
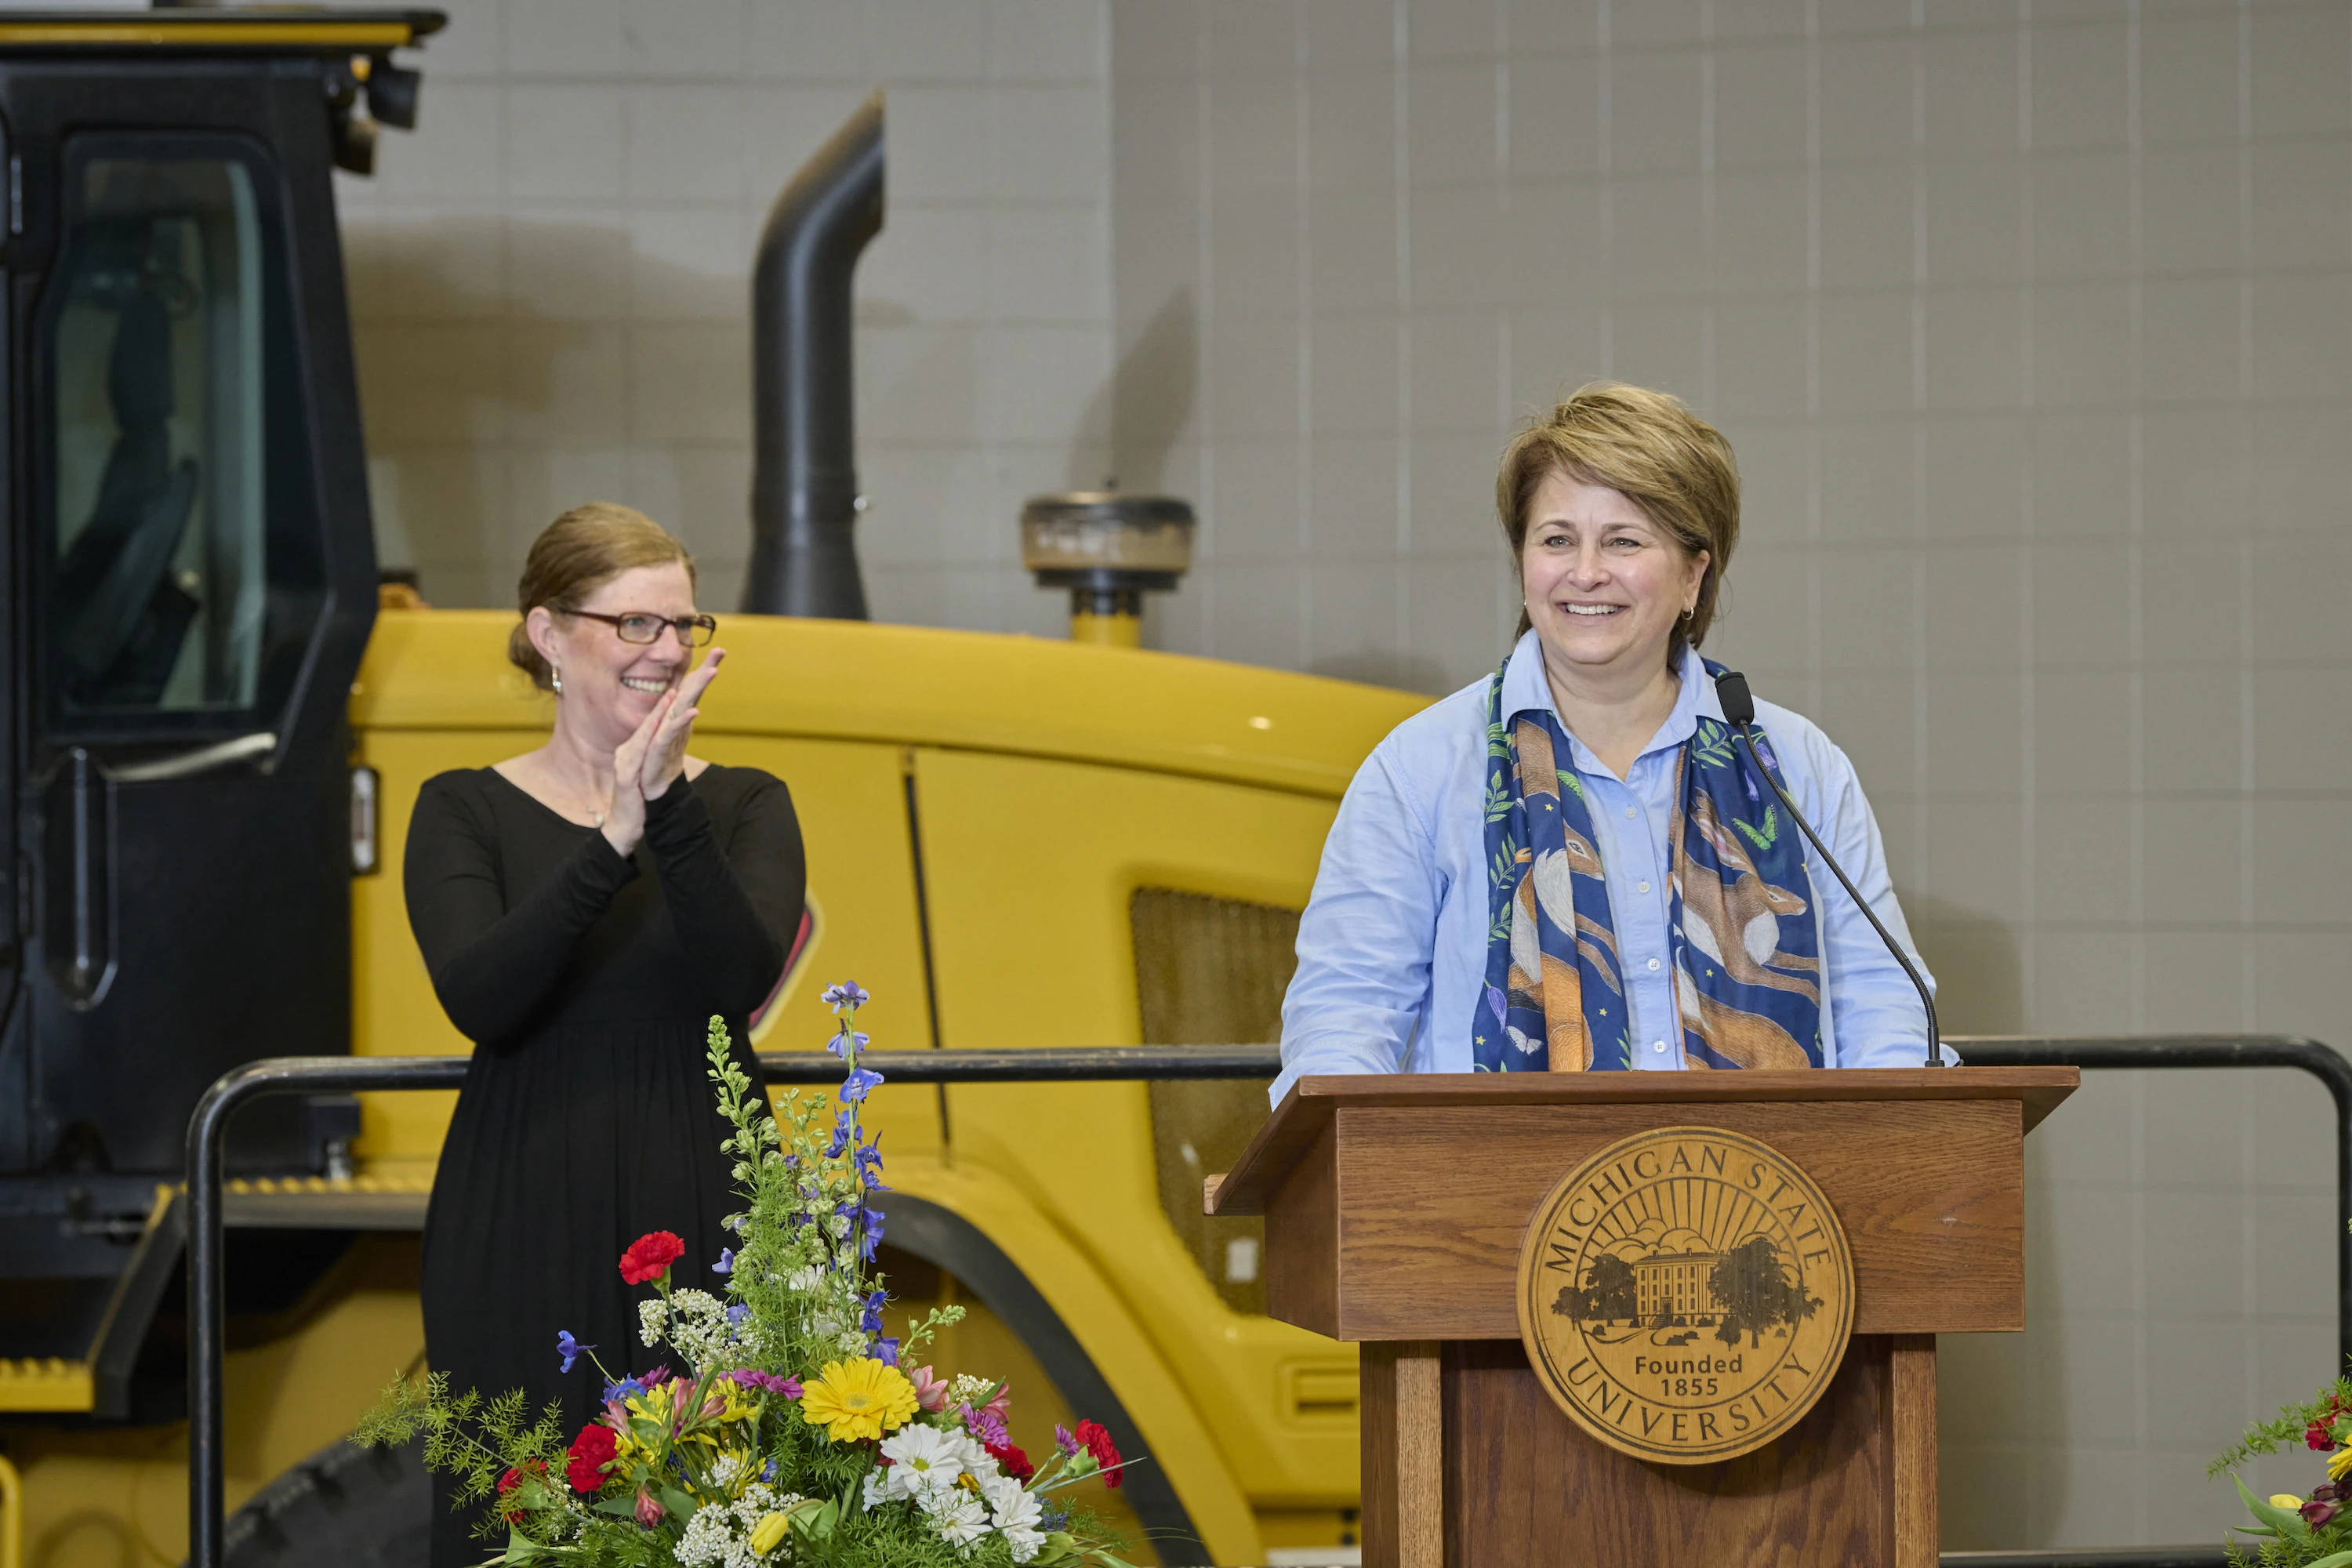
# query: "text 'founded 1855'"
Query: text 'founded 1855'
{"points": [[1685, 1294]]}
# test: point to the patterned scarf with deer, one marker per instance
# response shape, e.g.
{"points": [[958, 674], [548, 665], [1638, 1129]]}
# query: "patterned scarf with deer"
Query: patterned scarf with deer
{"points": [[1747, 965]]}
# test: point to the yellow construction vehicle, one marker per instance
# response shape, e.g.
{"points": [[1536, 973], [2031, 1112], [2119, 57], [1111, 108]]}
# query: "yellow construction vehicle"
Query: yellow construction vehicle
{"points": [[216, 738]]}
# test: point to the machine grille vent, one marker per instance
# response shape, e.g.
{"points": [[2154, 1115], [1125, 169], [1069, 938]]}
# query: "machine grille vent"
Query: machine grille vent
{"points": [[1211, 972]]}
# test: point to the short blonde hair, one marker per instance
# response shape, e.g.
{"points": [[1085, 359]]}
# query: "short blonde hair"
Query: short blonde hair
{"points": [[1651, 449], [576, 554]]}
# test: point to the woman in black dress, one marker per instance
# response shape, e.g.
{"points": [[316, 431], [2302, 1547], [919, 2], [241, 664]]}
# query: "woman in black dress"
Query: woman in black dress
{"points": [[584, 908]]}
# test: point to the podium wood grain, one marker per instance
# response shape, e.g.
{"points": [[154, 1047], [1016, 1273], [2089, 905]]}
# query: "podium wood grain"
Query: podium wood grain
{"points": [[1405, 1219], [1524, 1485]]}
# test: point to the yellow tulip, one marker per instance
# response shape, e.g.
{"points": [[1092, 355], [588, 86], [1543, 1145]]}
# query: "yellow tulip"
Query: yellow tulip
{"points": [[768, 1533], [2281, 1500]]}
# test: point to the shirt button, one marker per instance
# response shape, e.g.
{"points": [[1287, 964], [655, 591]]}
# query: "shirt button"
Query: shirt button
{"points": [[1658, 1046], [1654, 963], [1628, 811], [1644, 887]]}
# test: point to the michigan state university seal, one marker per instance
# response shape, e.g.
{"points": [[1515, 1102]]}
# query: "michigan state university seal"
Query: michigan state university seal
{"points": [[1685, 1294]]}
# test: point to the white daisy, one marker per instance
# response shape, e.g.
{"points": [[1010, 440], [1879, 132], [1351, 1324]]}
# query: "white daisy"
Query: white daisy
{"points": [[960, 1517], [923, 1459], [1015, 1513]]}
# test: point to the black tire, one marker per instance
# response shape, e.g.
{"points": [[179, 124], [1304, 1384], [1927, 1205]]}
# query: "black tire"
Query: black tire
{"points": [[356, 1508]]}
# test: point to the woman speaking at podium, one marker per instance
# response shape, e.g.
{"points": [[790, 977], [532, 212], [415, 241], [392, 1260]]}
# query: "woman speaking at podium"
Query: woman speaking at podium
{"points": [[1570, 865]]}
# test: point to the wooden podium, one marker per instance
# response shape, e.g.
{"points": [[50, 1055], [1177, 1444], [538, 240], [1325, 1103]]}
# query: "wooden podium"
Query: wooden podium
{"points": [[1395, 1209]]}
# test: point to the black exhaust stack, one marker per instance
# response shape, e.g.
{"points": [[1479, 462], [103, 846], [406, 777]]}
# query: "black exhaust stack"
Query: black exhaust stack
{"points": [[804, 497]]}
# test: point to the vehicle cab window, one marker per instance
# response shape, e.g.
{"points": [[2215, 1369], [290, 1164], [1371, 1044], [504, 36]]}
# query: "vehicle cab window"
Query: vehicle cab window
{"points": [[182, 560]]}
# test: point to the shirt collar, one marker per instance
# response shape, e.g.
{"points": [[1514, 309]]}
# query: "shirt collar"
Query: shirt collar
{"points": [[1524, 690]]}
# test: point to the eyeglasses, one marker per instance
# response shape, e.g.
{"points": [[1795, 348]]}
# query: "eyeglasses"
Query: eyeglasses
{"points": [[693, 631]]}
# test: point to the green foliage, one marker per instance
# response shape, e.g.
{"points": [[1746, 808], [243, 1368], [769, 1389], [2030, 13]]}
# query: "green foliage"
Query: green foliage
{"points": [[2281, 1537], [2285, 1429], [473, 1440], [1713, 744], [2284, 1541]]}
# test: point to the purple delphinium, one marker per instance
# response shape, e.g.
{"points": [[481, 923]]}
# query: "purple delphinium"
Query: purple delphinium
{"points": [[869, 1163], [848, 994], [845, 1038], [859, 1085], [726, 1264], [886, 1351], [872, 1320], [570, 1349]]}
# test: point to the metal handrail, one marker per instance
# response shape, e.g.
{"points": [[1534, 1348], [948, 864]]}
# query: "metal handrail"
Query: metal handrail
{"points": [[2194, 1051], [292, 1075]]}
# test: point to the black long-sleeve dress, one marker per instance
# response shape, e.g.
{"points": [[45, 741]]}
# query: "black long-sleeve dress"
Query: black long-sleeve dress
{"points": [[587, 982]]}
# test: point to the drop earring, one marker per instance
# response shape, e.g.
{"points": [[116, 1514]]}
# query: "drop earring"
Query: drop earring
{"points": [[555, 678]]}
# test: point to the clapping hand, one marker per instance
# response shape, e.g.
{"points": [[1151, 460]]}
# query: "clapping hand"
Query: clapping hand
{"points": [[649, 761]]}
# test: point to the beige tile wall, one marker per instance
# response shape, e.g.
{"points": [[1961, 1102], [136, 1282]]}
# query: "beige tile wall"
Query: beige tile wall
{"points": [[2033, 324], [550, 279]]}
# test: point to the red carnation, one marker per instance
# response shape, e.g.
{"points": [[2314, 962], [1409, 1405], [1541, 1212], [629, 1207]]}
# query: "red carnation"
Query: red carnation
{"points": [[508, 1483], [595, 1448], [1011, 1460], [1097, 1441], [649, 1256]]}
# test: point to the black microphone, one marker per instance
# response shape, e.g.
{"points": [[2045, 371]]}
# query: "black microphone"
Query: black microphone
{"points": [[1740, 708]]}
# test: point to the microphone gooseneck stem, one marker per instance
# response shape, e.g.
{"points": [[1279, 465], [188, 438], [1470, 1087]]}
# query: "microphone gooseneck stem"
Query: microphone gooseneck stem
{"points": [[1927, 1002], [1740, 708]]}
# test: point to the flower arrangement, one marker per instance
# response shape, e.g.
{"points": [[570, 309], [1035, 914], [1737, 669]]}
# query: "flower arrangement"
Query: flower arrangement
{"points": [[792, 1430], [2290, 1531]]}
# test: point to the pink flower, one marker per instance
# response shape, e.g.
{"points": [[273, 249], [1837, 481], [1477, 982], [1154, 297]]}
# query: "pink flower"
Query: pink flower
{"points": [[930, 1393], [649, 1513], [987, 1423], [789, 1387]]}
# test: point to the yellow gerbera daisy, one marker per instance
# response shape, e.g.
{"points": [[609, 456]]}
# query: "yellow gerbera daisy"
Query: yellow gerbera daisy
{"points": [[858, 1399], [2338, 1463]]}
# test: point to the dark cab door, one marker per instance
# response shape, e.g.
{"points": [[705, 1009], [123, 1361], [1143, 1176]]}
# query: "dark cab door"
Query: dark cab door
{"points": [[189, 587]]}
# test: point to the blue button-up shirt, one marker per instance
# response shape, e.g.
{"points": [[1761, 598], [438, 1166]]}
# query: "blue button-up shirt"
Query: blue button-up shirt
{"points": [[1392, 947]]}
